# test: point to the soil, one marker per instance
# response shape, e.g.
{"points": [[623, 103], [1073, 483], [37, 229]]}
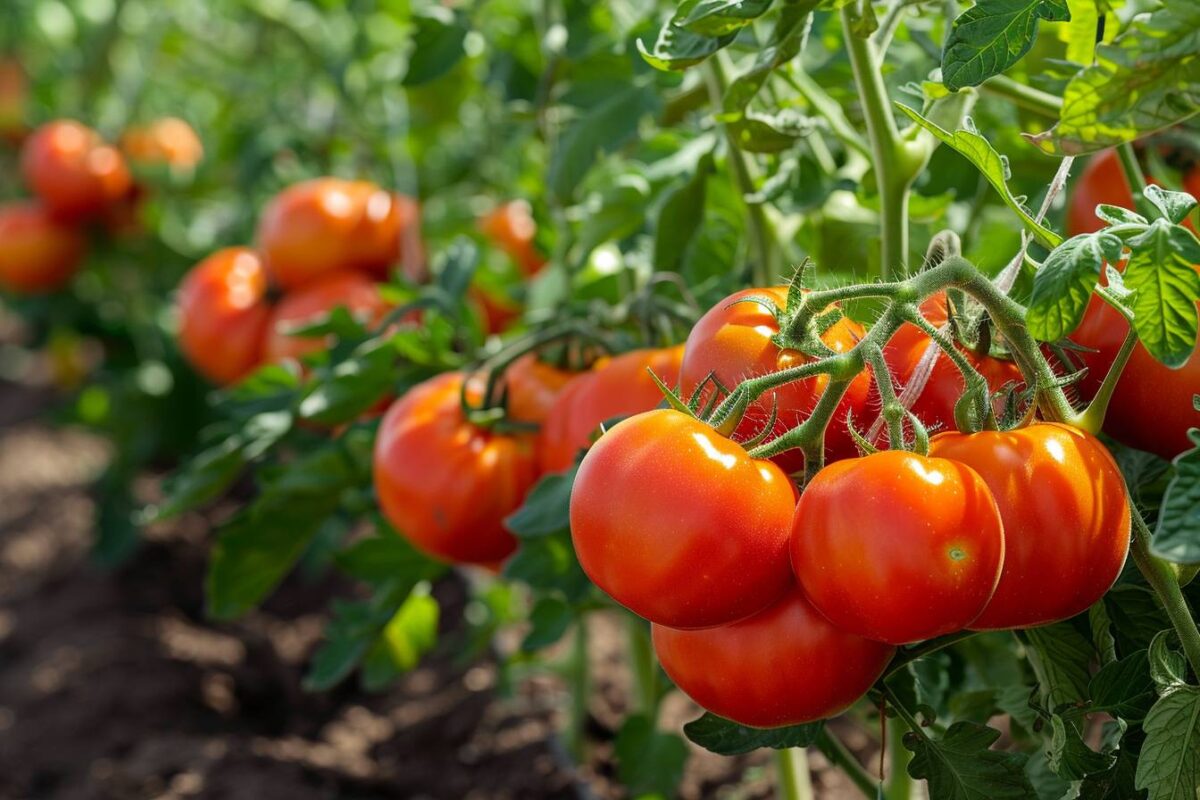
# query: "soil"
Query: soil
{"points": [[114, 685]]}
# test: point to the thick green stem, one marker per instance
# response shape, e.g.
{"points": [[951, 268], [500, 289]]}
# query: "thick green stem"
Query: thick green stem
{"points": [[1162, 579], [792, 774], [643, 667], [907, 655], [1026, 97], [899, 782], [976, 385], [1091, 419], [579, 684], [840, 757], [892, 410]]}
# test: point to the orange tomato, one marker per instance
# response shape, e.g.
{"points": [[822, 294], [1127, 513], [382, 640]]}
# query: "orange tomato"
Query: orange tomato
{"points": [[38, 253], [533, 385], [73, 171], [167, 140], [223, 314], [352, 290], [510, 226]]}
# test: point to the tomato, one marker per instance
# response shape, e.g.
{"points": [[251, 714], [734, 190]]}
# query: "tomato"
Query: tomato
{"points": [[38, 253], [445, 484], [679, 524], [352, 290], [1066, 519], [223, 314], [533, 386], [167, 140], [733, 342], [330, 225], [783, 666], [898, 547], [510, 227], [1102, 182], [616, 387], [72, 170], [496, 312], [935, 405]]}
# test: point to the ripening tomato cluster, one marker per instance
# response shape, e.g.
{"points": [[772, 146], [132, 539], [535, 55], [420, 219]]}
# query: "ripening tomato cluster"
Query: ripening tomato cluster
{"points": [[752, 587]]}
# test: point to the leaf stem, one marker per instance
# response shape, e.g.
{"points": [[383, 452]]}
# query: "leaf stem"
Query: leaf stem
{"points": [[828, 108], [1026, 97], [840, 757], [792, 774], [1091, 419], [1162, 579], [899, 782]]}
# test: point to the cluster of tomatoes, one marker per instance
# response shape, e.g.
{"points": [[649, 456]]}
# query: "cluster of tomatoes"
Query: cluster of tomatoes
{"points": [[78, 179]]}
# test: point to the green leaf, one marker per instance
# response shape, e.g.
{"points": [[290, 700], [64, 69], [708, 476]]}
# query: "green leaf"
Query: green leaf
{"points": [[202, 479], [1148, 79], [1169, 765], [1177, 535], [1060, 656], [979, 152], [549, 620], [677, 49], [387, 557], [548, 563], [1080, 32], [437, 45], [649, 761], [1175, 206], [992, 35], [680, 217], [1160, 271], [408, 635], [719, 17], [352, 386], [351, 632], [547, 507], [1124, 688], [960, 765], [1168, 667], [727, 738], [1064, 283], [1115, 783], [1115, 215], [1069, 757]]}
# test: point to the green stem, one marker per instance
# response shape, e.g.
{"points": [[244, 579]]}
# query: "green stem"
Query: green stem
{"points": [[899, 782], [976, 385], [643, 666], [907, 655], [828, 108], [579, 683], [793, 778], [1091, 419], [892, 410], [840, 757], [1026, 97], [1131, 168], [1163, 580]]}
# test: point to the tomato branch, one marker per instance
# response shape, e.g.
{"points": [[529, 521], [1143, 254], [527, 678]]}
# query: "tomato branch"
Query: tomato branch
{"points": [[1162, 579], [833, 749]]}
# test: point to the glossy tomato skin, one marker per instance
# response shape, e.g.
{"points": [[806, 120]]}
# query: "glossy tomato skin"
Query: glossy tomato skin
{"points": [[354, 291], [615, 387], [785, 665], [38, 253], [1066, 519], [167, 140], [935, 405], [328, 225], [733, 341], [447, 485], [72, 170], [223, 314], [679, 524], [533, 386], [898, 547], [510, 226]]}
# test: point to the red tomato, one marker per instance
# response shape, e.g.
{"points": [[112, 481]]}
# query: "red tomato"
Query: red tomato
{"points": [[1102, 182], [510, 227], [733, 342], [533, 386], [352, 290], [679, 524], [330, 225], [72, 170], [616, 387], [223, 314], [167, 140], [1066, 519], [898, 547], [445, 484], [496, 312], [935, 405], [37, 252], [783, 666]]}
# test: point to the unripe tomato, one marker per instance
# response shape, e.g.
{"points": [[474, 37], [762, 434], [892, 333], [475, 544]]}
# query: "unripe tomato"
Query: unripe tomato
{"points": [[446, 484], [354, 291], [935, 405], [615, 387], [223, 314], [533, 386], [898, 547], [72, 170], [38, 253], [167, 140], [679, 524], [733, 342], [783, 666], [330, 225], [510, 227], [1066, 519]]}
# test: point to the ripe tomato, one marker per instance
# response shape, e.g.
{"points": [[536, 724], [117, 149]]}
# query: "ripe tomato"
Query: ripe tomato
{"points": [[680, 524], [783, 666], [223, 314], [167, 140], [445, 484], [935, 405], [1066, 519], [72, 170], [898, 547], [353, 290], [533, 386], [329, 225], [733, 342], [615, 387], [496, 312], [510, 227], [38, 253], [1103, 182]]}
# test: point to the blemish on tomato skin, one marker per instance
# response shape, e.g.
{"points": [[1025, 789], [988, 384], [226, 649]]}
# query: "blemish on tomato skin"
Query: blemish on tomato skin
{"points": [[956, 553]]}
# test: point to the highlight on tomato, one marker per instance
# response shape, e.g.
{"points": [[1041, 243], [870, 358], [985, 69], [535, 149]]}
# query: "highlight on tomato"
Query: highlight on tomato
{"points": [[680, 524], [38, 253], [733, 341], [446, 484], [223, 314], [72, 170], [353, 291], [898, 547], [511, 227], [615, 387], [166, 140], [785, 665], [1066, 519]]}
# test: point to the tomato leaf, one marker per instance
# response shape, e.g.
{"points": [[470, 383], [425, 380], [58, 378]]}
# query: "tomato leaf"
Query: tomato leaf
{"points": [[1177, 535], [353, 385], [386, 557], [680, 216], [549, 620], [408, 635], [547, 507], [1115, 215], [727, 738], [719, 17], [1160, 271], [976, 149], [437, 44], [548, 563], [649, 761], [201, 479], [1175, 206], [1124, 688], [992, 35], [1115, 783], [1169, 765], [1070, 758], [676, 48], [960, 765], [1060, 656], [1063, 285], [1146, 80], [1168, 667]]}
